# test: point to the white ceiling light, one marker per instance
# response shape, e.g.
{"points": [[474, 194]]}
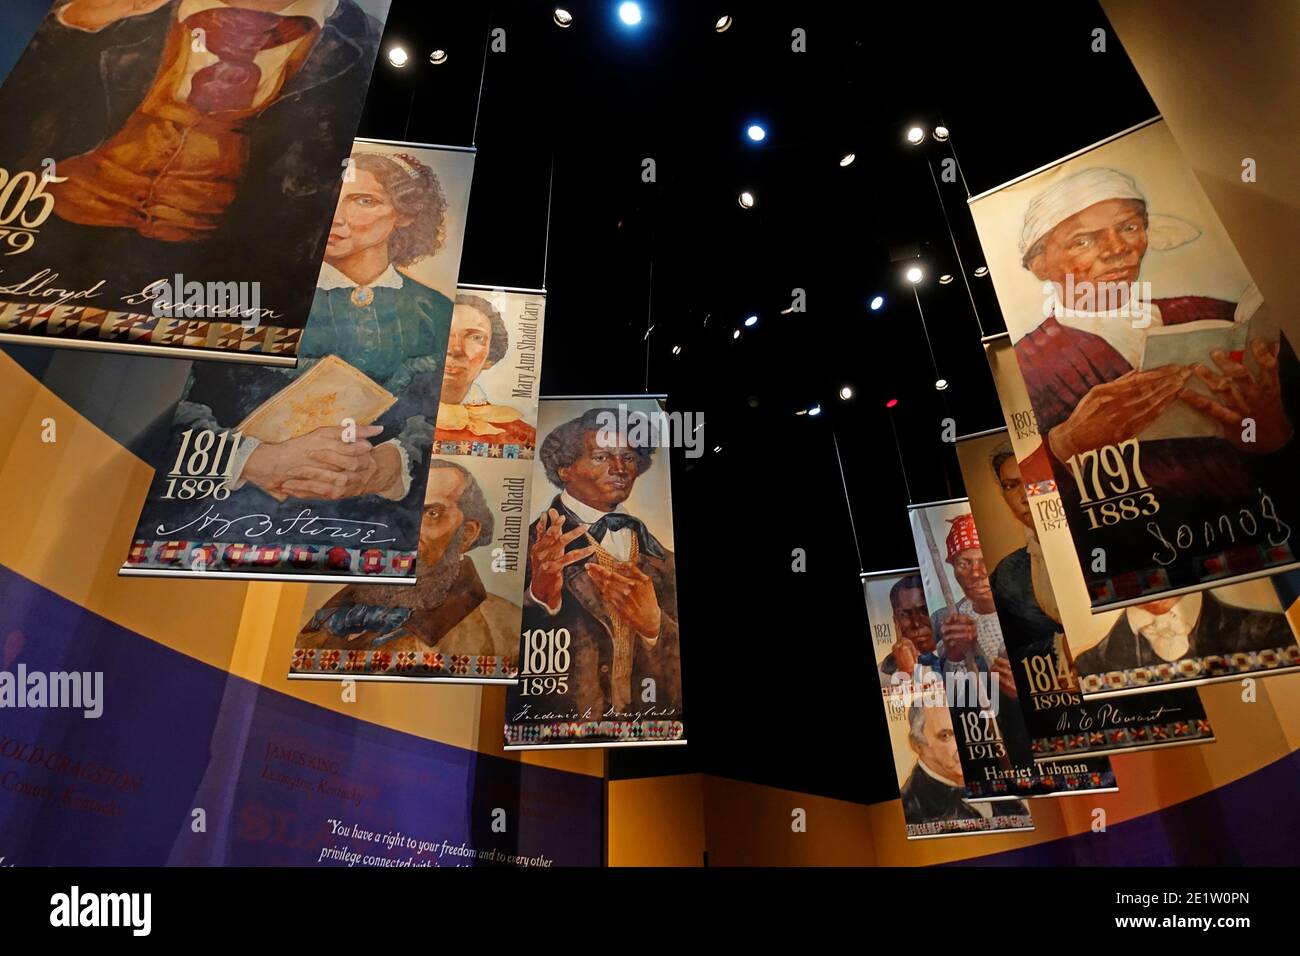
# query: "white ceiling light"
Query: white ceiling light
{"points": [[846, 393], [751, 320], [941, 133], [847, 159], [747, 199], [815, 410], [945, 278], [981, 272], [736, 334], [915, 275], [941, 384], [438, 57], [398, 56], [723, 24], [563, 18], [915, 135], [677, 350]]}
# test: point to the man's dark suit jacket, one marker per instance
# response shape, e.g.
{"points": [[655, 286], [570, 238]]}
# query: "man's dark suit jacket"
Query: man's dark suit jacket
{"points": [[591, 644], [73, 90], [927, 800], [1221, 629]]}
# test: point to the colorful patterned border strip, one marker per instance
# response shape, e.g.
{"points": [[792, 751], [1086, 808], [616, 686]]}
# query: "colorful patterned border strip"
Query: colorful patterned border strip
{"points": [[266, 558], [1236, 561], [1193, 668], [563, 731], [484, 449], [1175, 731], [40, 320], [942, 827], [1043, 780], [414, 665]]}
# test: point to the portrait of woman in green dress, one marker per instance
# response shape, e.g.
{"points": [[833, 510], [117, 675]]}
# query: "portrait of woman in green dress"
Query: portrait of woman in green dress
{"points": [[384, 324]]}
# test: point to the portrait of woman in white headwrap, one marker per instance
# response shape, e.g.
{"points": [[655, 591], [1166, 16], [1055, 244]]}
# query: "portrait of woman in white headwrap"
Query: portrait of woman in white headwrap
{"points": [[1154, 369]]}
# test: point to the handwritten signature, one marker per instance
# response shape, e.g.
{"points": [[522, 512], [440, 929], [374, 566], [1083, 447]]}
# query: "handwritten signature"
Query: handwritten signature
{"points": [[259, 524]]}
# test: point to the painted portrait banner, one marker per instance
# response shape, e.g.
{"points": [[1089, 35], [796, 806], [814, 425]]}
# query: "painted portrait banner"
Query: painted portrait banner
{"points": [[921, 735], [971, 667], [1166, 390], [1060, 722], [1218, 634], [461, 622], [319, 471], [600, 655], [169, 170]]}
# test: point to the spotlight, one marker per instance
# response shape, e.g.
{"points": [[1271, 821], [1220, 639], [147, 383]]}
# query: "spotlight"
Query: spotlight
{"points": [[877, 303], [915, 135], [677, 350], [915, 275], [723, 24], [802, 411], [941, 384], [815, 410], [981, 272], [847, 159], [563, 18], [398, 56], [945, 279], [941, 133], [891, 403], [630, 13], [716, 449], [756, 133], [846, 393], [747, 199], [736, 334], [752, 321], [438, 57]]}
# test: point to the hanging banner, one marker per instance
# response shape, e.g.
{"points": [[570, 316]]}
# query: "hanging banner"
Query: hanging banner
{"points": [[319, 471], [1166, 392], [461, 621], [1219, 634], [921, 734], [974, 668], [600, 657], [1029, 612], [172, 168]]}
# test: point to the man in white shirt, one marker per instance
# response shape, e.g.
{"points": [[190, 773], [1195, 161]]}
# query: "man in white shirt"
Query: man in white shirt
{"points": [[599, 572], [1184, 628]]}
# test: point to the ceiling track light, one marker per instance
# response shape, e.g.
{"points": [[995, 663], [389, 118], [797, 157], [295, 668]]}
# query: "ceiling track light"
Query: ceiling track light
{"points": [[746, 200], [563, 18], [941, 134], [914, 274], [723, 24], [398, 56], [630, 13], [736, 334], [916, 135], [438, 57], [941, 385], [945, 278], [846, 392], [815, 410], [877, 302], [981, 272], [847, 159]]}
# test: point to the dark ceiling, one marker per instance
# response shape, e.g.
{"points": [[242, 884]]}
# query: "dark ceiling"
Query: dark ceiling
{"points": [[779, 687]]}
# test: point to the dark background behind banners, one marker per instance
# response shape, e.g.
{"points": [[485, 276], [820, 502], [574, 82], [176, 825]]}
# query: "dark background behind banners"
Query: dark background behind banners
{"points": [[773, 661]]}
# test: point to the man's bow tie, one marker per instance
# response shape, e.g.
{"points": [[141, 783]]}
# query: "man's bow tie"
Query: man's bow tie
{"points": [[621, 522]]}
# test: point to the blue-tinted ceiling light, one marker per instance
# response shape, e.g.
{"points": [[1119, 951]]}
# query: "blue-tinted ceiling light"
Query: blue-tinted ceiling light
{"points": [[752, 320], [757, 133], [630, 13], [877, 303]]}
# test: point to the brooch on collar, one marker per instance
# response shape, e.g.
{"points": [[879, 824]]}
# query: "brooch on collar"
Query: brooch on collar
{"points": [[362, 296]]}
